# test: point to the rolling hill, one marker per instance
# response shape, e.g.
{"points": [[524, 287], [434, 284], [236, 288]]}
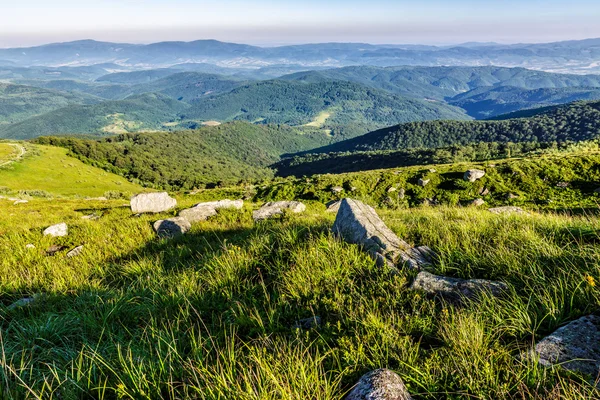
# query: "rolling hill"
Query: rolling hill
{"points": [[144, 112], [187, 159]]}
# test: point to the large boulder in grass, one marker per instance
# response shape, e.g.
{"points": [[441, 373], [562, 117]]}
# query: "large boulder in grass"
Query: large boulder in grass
{"points": [[152, 203], [472, 175], [201, 211], [358, 223], [455, 289], [271, 209], [57, 230], [575, 346], [381, 384], [172, 227]]}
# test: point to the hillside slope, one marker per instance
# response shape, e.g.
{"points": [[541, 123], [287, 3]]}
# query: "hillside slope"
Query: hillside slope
{"points": [[49, 169], [187, 159], [573, 122]]}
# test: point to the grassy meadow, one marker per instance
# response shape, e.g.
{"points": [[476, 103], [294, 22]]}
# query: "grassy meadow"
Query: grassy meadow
{"points": [[211, 315]]}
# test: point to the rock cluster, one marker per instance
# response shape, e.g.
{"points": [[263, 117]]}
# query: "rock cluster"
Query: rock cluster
{"points": [[271, 209]]}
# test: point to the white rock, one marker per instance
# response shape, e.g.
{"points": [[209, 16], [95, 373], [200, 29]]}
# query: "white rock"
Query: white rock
{"points": [[152, 203], [57, 230], [271, 209]]}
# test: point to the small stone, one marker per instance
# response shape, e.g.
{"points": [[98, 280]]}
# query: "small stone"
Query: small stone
{"points": [[432, 170], [472, 175], [507, 210], [454, 289], [91, 217], [510, 196], [75, 252], [391, 189], [337, 189], [52, 250], [24, 302], [57, 230], [424, 182], [172, 227], [29, 246], [575, 346], [308, 323], [563, 185], [381, 384], [152, 203], [477, 202], [271, 209], [401, 193], [484, 191]]}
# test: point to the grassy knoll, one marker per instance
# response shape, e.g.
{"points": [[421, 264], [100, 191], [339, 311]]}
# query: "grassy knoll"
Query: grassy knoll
{"points": [[210, 315], [49, 169], [7, 152]]}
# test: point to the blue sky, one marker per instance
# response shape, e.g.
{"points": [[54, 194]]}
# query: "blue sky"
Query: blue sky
{"points": [[269, 22]]}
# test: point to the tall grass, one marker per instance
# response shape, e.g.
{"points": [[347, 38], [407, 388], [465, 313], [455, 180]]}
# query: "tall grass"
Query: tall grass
{"points": [[212, 315]]}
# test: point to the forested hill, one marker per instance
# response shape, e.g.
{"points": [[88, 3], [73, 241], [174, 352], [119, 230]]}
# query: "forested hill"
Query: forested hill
{"points": [[573, 122], [297, 103], [187, 159]]}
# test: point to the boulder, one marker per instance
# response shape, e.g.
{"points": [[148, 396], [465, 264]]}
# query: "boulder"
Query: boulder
{"points": [[196, 214], [272, 209], [575, 346], [172, 227], [381, 384], [152, 203], [455, 289], [401, 193], [75, 252], [477, 202], [52, 250], [237, 204], [507, 210], [337, 189], [333, 206], [358, 223], [423, 182], [472, 175], [57, 230]]}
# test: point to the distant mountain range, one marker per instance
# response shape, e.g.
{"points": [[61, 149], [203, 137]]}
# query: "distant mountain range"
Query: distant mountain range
{"points": [[581, 56]]}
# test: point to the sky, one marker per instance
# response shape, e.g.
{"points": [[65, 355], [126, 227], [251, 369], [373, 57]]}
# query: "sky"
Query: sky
{"points": [[271, 22]]}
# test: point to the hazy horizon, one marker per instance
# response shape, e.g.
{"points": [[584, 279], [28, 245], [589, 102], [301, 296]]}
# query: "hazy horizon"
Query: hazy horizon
{"points": [[273, 23]]}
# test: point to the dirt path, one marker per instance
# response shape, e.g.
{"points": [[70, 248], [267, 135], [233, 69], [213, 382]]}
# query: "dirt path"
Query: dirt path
{"points": [[21, 150]]}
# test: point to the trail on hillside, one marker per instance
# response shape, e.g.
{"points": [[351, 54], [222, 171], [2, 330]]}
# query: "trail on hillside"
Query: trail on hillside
{"points": [[21, 150]]}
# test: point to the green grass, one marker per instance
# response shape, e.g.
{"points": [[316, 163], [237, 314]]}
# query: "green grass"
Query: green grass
{"points": [[210, 315], [50, 169], [7, 152]]}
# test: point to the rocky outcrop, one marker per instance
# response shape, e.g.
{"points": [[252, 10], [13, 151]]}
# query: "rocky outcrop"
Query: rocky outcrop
{"points": [[455, 289], [358, 223], [575, 346], [472, 175], [172, 227], [272, 209], [152, 203], [57, 230], [381, 384], [507, 210], [333, 206]]}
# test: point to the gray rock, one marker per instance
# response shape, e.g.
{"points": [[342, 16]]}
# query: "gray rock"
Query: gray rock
{"points": [[152, 203], [507, 210], [401, 193], [424, 182], [563, 185], [575, 346], [75, 252], [337, 189], [91, 217], [237, 204], [333, 206], [391, 189], [172, 227], [358, 223], [196, 214], [511, 196], [432, 170], [381, 384], [308, 323], [455, 289], [24, 302], [52, 250], [272, 209], [472, 175], [478, 202], [484, 191], [57, 230]]}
